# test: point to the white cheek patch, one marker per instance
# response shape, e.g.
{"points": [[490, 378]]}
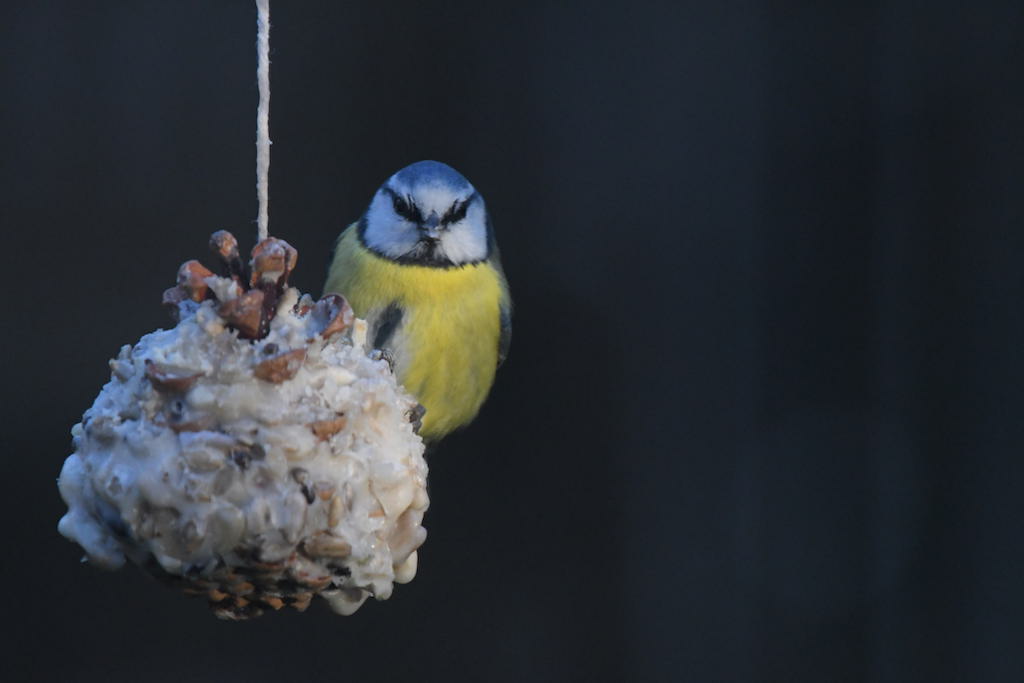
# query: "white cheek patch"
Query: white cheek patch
{"points": [[466, 241], [386, 232]]}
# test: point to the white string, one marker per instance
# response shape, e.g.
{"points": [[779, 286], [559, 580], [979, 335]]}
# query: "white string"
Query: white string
{"points": [[263, 115]]}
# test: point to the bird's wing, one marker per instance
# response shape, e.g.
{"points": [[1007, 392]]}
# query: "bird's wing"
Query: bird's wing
{"points": [[505, 339], [384, 324], [505, 309]]}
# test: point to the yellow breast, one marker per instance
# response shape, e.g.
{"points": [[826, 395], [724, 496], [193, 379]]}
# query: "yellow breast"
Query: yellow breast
{"points": [[446, 349]]}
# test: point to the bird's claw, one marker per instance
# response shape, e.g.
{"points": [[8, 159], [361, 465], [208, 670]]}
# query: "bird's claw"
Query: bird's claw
{"points": [[385, 355], [415, 416]]}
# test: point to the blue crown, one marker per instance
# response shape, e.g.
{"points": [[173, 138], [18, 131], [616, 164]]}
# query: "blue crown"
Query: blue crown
{"points": [[429, 173]]}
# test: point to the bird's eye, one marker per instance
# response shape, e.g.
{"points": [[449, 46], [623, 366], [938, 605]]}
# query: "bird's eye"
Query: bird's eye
{"points": [[401, 206], [405, 208], [456, 213]]}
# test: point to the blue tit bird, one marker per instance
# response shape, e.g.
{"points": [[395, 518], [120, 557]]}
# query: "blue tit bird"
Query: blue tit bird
{"points": [[422, 268]]}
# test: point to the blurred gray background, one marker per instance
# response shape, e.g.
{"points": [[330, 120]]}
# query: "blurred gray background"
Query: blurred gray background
{"points": [[761, 419]]}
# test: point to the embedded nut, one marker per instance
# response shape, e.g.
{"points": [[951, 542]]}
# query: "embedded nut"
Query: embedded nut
{"points": [[325, 429], [323, 490], [243, 313], [166, 381], [191, 277], [317, 584], [171, 298], [224, 244], [323, 545], [301, 601], [272, 261], [200, 425], [280, 368], [304, 304], [335, 512], [274, 602], [332, 314]]}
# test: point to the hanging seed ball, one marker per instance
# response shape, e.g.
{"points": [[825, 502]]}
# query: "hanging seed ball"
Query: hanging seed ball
{"points": [[253, 456]]}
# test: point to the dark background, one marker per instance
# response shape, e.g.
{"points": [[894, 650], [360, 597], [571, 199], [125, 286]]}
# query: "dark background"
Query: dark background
{"points": [[761, 419]]}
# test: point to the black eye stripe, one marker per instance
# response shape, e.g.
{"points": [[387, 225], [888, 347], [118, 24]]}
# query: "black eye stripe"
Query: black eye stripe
{"points": [[456, 212], [404, 206]]}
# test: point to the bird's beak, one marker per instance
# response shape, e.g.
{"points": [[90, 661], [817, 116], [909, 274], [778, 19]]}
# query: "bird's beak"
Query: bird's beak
{"points": [[431, 227]]}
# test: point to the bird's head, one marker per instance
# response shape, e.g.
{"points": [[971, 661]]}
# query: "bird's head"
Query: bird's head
{"points": [[427, 214]]}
